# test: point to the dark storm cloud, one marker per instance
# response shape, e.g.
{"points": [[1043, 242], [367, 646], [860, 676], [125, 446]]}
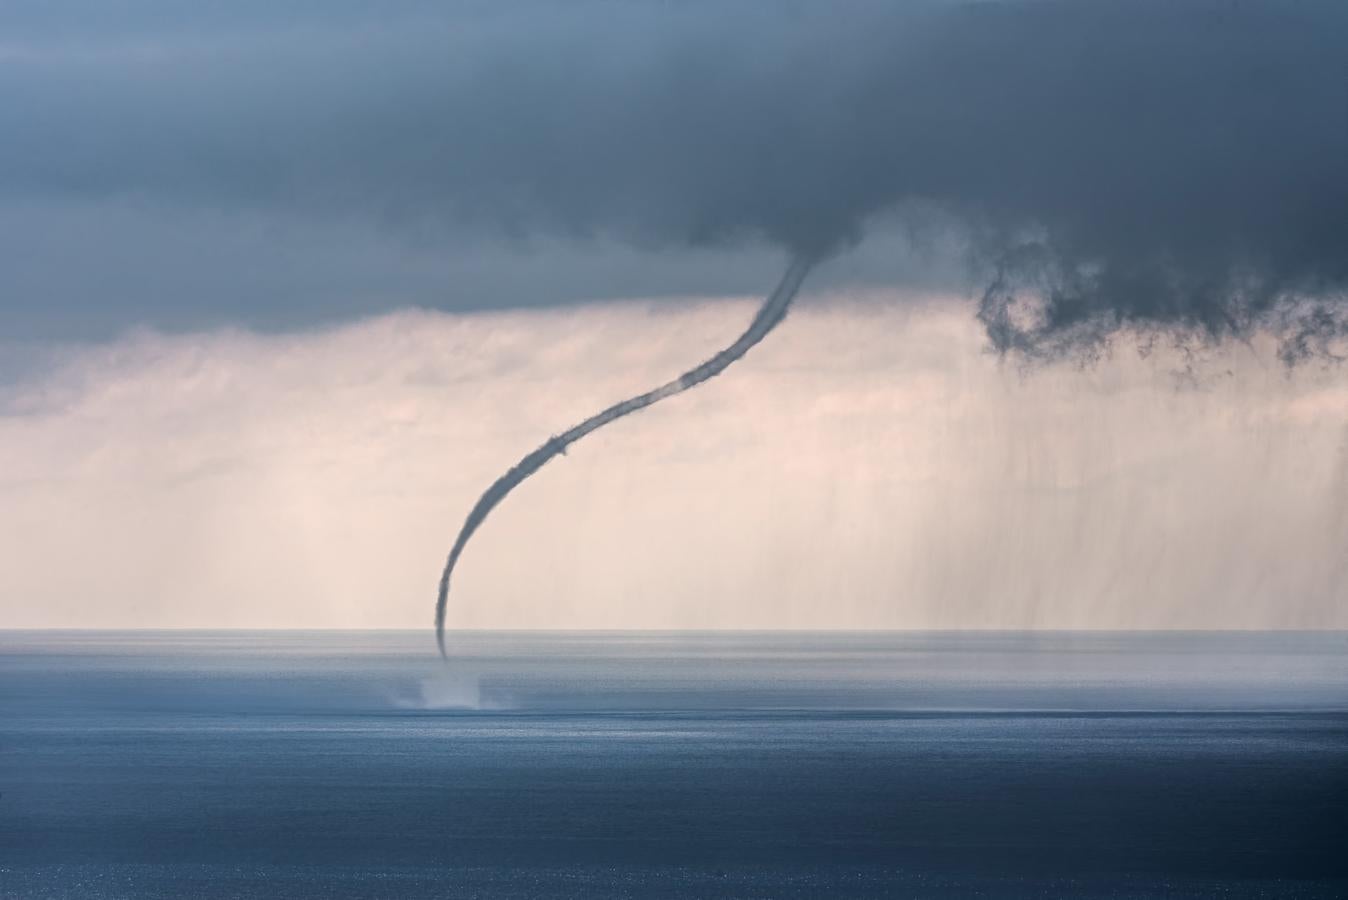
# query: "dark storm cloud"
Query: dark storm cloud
{"points": [[1149, 165]]}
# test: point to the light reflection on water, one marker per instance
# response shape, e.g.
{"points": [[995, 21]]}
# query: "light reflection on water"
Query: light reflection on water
{"points": [[366, 671]]}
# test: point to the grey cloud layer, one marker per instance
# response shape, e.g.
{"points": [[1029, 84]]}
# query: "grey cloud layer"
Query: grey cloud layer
{"points": [[1130, 164]]}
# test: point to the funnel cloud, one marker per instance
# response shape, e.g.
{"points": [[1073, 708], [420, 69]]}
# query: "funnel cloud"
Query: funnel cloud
{"points": [[769, 316]]}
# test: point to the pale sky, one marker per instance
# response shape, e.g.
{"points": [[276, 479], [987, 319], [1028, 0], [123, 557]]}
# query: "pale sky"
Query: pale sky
{"points": [[871, 465]]}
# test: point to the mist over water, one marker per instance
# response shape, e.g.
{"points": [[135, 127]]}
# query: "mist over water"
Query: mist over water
{"points": [[303, 673]]}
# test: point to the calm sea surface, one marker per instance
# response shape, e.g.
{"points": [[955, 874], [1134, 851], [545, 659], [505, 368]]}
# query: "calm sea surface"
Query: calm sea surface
{"points": [[353, 764]]}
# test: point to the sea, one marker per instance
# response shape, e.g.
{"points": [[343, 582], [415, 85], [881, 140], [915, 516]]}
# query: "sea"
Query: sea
{"points": [[338, 764]]}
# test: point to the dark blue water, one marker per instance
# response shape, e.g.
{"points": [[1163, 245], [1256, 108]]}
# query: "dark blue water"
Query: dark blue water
{"points": [[636, 765]]}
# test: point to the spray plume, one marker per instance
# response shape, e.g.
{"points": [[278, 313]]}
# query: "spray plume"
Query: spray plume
{"points": [[769, 315]]}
